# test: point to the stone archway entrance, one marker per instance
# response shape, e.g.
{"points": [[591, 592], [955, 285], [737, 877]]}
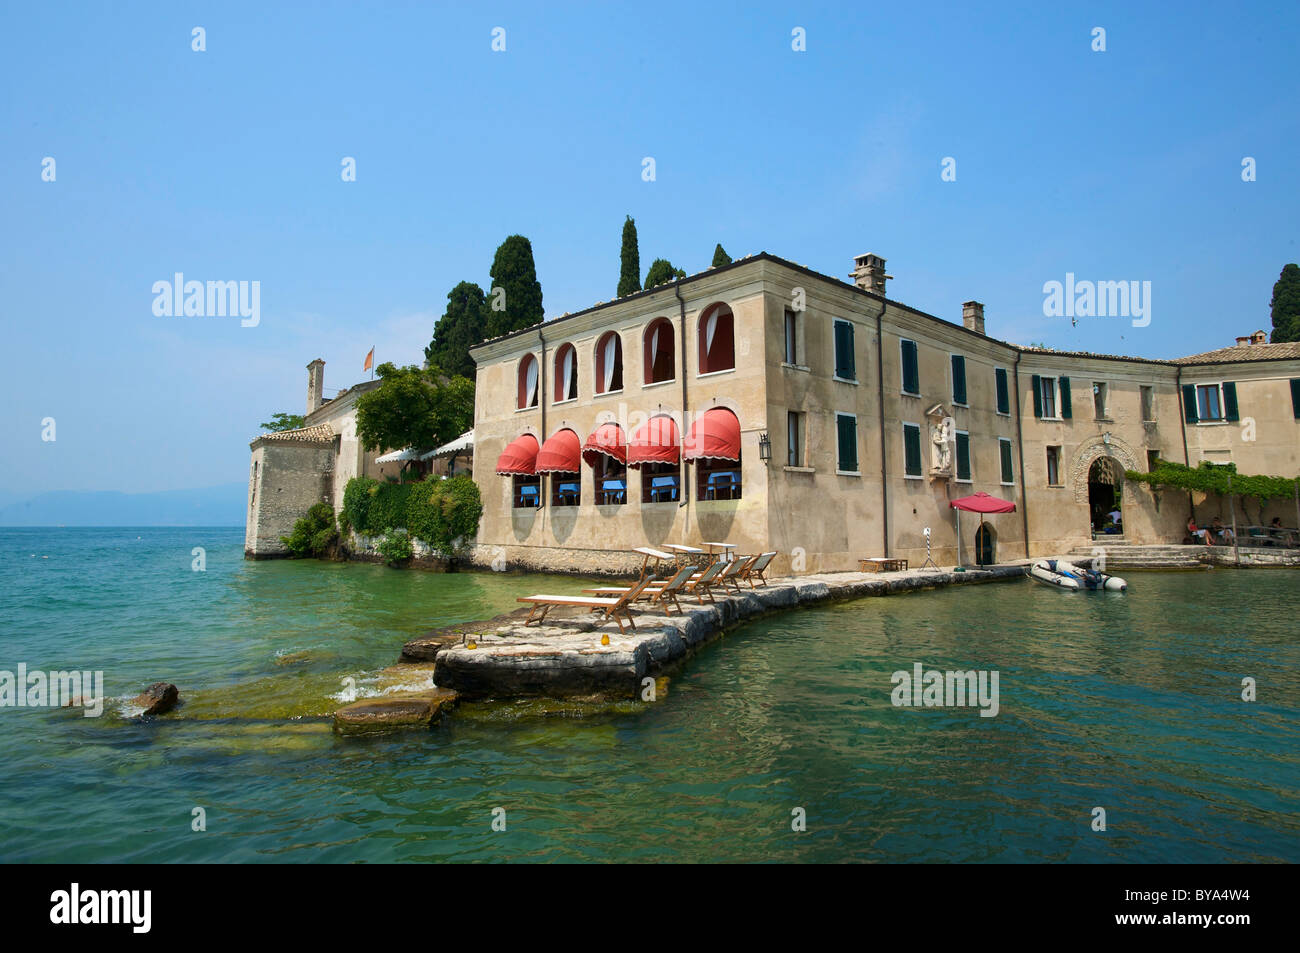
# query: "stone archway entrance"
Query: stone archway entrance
{"points": [[985, 545], [1105, 497]]}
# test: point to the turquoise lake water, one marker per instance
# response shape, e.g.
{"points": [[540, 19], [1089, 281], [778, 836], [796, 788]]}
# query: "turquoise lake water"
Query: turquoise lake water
{"points": [[1130, 702]]}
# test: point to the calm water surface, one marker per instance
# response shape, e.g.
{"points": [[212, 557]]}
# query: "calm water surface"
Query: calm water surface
{"points": [[1129, 702]]}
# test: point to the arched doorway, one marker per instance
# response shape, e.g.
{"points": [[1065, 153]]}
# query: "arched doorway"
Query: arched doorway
{"points": [[985, 545], [1105, 486]]}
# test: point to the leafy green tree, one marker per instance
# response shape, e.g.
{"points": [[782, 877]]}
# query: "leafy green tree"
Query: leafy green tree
{"points": [[629, 273], [515, 299], [720, 256], [1285, 306], [279, 422], [661, 270], [414, 408], [461, 326]]}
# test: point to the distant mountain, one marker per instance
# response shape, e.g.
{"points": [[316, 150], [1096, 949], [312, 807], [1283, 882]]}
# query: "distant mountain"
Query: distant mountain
{"points": [[212, 506]]}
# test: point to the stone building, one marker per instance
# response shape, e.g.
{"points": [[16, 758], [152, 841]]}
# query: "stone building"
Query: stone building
{"points": [[767, 405], [292, 470]]}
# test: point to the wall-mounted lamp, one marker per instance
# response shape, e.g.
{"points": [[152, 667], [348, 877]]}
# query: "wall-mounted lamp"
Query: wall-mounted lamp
{"points": [[1105, 438], [764, 447]]}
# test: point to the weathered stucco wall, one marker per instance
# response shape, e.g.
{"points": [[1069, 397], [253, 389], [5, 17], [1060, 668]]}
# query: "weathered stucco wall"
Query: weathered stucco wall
{"points": [[287, 479]]}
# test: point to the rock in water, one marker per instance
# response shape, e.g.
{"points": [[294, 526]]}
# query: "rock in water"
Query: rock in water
{"points": [[158, 699]]}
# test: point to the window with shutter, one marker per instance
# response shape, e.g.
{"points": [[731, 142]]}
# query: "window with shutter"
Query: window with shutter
{"points": [[911, 374], [1065, 398], [1004, 451], [963, 456], [1003, 392], [1295, 397], [848, 443], [845, 364], [1189, 404], [1230, 401], [911, 450], [958, 379]]}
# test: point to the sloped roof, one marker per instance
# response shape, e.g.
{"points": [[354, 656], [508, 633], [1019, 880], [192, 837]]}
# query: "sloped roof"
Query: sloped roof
{"points": [[1244, 352], [317, 433]]}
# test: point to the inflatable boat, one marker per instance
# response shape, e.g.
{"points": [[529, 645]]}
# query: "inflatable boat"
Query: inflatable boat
{"points": [[1066, 575]]}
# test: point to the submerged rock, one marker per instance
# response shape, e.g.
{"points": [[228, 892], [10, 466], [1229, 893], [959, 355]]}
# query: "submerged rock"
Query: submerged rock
{"points": [[158, 699], [399, 711]]}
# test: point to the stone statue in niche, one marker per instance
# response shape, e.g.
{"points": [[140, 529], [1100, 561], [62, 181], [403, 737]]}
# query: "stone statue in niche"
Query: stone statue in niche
{"points": [[941, 439]]}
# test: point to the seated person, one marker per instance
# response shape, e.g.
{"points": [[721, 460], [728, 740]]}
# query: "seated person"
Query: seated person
{"points": [[1222, 533], [1115, 516], [1275, 527], [1195, 534]]}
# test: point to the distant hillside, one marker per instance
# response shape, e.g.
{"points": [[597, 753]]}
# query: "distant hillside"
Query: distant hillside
{"points": [[212, 506]]}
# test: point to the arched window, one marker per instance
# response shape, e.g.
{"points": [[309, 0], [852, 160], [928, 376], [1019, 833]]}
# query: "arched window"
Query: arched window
{"points": [[566, 373], [717, 339], [660, 358], [609, 363], [527, 382]]}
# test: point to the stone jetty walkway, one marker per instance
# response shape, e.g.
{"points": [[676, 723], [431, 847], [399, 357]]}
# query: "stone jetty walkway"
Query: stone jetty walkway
{"points": [[567, 657]]}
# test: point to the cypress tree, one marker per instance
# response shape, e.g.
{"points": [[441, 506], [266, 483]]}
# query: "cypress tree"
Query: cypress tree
{"points": [[629, 272], [720, 256], [519, 304], [461, 326], [1285, 306], [661, 270]]}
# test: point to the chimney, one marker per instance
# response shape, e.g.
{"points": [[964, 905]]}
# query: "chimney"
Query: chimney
{"points": [[315, 385], [972, 316], [869, 273], [1259, 337]]}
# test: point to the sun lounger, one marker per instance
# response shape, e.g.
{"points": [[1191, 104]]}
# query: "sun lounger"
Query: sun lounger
{"points": [[661, 593], [731, 573], [616, 608], [756, 569], [702, 584]]}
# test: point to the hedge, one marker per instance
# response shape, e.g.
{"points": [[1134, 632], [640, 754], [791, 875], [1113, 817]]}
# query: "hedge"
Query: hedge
{"points": [[441, 513]]}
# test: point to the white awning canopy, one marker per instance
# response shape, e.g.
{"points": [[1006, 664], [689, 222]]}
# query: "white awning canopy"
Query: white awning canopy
{"points": [[462, 444], [397, 456]]}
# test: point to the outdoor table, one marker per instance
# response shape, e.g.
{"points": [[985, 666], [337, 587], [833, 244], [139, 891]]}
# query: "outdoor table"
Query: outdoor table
{"points": [[726, 554], [879, 564], [649, 554], [568, 492], [684, 552]]}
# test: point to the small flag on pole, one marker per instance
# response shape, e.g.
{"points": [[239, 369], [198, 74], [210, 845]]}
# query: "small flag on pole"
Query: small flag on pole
{"points": [[370, 360]]}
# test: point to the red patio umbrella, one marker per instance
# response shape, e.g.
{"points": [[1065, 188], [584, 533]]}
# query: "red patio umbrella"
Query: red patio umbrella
{"points": [[980, 503]]}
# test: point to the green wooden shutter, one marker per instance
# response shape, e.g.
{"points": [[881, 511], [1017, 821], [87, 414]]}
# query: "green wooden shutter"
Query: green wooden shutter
{"points": [[912, 451], [1065, 398], [963, 456], [1038, 396], [1230, 400], [850, 360], [1189, 404], [1295, 397], [848, 434], [1000, 379], [844, 364], [958, 379], [911, 376], [1008, 473]]}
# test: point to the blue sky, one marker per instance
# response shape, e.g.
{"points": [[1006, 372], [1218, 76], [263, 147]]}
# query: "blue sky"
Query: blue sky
{"points": [[225, 165]]}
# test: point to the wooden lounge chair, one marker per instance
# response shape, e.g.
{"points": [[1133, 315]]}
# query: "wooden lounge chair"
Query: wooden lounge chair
{"points": [[756, 569], [616, 608], [660, 593], [731, 573], [701, 584]]}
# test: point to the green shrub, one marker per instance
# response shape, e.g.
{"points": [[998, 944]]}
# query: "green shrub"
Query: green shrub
{"points": [[314, 534], [457, 507], [357, 496], [420, 516], [396, 548]]}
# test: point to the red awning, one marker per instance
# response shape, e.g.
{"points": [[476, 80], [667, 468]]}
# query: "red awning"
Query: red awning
{"points": [[518, 457], [715, 436], [981, 502], [655, 441], [608, 440], [561, 453]]}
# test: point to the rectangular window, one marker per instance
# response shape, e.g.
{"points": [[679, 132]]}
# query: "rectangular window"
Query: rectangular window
{"points": [[911, 450], [911, 374], [1003, 391], [1099, 400], [791, 341], [847, 431], [1047, 396], [1153, 457], [1004, 455], [794, 439], [660, 483], [1295, 397], [845, 366], [1053, 466], [958, 379], [1207, 402], [1148, 406], [963, 456]]}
